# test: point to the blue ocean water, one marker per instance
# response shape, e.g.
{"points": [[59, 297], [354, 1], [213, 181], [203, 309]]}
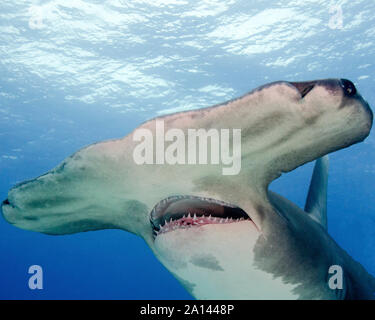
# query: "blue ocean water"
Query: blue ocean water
{"points": [[77, 72]]}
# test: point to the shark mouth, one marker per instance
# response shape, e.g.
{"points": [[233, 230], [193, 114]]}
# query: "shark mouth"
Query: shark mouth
{"points": [[182, 212]]}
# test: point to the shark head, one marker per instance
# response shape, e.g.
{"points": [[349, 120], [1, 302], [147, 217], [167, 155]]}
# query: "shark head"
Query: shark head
{"points": [[305, 120], [193, 214], [74, 197], [283, 125]]}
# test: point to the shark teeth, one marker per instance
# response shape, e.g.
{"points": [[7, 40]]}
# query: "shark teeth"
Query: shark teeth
{"points": [[161, 205], [192, 220], [185, 211]]}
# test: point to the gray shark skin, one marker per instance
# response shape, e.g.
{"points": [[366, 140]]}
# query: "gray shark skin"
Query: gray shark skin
{"points": [[269, 248]]}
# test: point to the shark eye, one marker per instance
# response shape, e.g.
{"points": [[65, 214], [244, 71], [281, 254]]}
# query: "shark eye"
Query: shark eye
{"points": [[348, 87]]}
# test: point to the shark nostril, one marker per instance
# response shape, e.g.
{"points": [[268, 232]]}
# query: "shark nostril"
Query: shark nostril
{"points": [[304, 87]]}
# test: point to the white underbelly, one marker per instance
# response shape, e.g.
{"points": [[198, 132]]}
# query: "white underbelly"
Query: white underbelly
{"points": [[216, 262]]}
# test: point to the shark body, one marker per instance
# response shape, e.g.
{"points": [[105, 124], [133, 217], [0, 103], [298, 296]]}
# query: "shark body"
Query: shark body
{"points": [[221, 236]]}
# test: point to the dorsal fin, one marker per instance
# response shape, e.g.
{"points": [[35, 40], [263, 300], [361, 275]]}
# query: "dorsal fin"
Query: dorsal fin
{"points": [[316, 202]]}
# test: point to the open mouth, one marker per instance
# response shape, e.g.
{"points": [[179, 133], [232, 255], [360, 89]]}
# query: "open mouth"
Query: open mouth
{"points": [[181, 212]]}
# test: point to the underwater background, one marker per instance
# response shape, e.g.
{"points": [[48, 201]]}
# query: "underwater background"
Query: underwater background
{"points": [[74, 72]]}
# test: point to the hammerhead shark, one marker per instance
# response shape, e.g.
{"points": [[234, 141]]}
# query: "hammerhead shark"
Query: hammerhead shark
{"points": [[209, 217]]}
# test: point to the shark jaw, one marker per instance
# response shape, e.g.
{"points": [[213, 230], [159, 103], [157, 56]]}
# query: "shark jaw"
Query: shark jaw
{"points": [[185, 212]]}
